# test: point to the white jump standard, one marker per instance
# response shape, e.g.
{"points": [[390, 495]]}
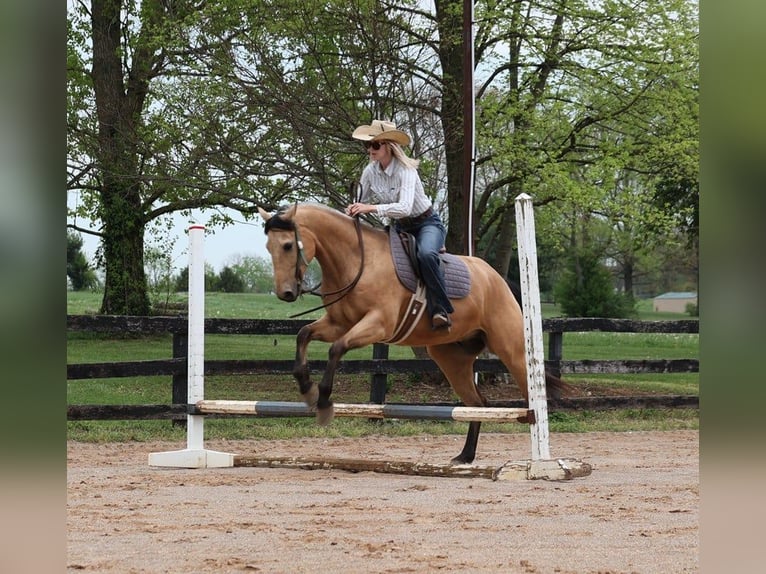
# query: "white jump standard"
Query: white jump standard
{"points": [[195, 455]]}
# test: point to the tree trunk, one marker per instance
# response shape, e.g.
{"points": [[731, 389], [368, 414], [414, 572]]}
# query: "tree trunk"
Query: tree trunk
{"points": [[627, 276], [119, 107], [449, 14], [506, 235], [125, 289]]}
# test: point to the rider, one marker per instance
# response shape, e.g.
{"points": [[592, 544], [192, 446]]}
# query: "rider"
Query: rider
{"points": [[391, 188]]}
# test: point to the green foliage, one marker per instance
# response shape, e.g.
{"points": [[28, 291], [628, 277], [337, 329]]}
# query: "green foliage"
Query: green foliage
{"points": [[230, 282], [181, 281], [159, 266], [78, 269], [692, 309], [586, 289], [255, 272]]}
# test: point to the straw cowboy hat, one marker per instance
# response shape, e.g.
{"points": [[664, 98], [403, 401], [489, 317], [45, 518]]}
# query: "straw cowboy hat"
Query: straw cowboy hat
{"points": [[381, 130]]}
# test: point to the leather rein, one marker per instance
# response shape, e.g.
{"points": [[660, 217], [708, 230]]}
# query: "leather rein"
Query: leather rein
{"points": [[301, 258]]}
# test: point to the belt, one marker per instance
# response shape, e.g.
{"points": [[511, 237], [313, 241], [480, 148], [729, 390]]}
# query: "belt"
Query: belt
{"points": [[410, 221]]}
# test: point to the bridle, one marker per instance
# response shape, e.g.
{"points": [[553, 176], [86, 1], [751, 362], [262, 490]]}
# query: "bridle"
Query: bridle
{"points": [[275, 222]]}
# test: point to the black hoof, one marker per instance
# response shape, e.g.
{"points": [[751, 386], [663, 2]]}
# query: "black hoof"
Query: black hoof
{"points": [[461, 459]]}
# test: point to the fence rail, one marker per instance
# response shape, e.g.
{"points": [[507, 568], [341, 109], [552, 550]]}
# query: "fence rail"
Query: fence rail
{"points": [[379, 367]]}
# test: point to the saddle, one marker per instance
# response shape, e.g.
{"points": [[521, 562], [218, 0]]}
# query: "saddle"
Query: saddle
{"points": [[404, 253]]}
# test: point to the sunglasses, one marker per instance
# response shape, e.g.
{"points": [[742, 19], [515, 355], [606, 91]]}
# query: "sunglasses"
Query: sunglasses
{"points": [[373, 145]]}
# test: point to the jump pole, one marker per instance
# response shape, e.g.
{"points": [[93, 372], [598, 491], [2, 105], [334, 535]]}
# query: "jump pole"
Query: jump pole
{"points": [[195, 455], [368, 411]]}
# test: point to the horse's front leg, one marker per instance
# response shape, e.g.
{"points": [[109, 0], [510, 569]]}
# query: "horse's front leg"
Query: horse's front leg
{"points": [[321, 330], [369, 330], [307, 387]]}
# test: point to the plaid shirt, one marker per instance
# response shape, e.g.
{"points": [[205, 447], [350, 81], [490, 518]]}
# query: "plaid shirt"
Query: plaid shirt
{"points": [[395, 191]]}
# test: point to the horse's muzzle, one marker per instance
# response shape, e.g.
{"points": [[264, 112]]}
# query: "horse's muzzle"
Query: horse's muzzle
{"points": [[288, 296], [289, 292]]}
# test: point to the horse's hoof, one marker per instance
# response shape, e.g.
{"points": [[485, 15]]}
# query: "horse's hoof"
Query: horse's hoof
{"points": [[311, 397], [325, 415], [460, 460]]}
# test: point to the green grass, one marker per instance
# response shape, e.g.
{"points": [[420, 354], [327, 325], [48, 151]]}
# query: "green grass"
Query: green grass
{"points": [[605, 346], [90, 347]]}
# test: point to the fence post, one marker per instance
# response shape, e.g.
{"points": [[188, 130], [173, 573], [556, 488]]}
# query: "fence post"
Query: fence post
{"points": [[533, 325], [379, 381], [555, 352]]}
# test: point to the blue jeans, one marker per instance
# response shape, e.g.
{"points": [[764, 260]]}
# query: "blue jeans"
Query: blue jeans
{"points": [[430, 235]]}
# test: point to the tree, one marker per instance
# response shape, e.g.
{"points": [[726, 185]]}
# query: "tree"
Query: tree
{"points": [[255, 272], [181, 282], [78, 269], [229, 281], [586, 289], [159, 272], [212, 281]]}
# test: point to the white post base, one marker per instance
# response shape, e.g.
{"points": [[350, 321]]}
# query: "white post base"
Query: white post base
{"points": [[192, 458]]}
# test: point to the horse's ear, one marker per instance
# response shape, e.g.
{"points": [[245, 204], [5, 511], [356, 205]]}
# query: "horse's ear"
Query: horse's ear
{"points": [[264, 214]]}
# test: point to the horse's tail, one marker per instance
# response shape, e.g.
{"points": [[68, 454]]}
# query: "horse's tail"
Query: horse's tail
{"points": [[556, 388], [515, 289]]}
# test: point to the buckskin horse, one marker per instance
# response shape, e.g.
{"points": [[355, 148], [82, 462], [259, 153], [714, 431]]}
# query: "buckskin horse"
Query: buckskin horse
{"points": [[365, 303]]}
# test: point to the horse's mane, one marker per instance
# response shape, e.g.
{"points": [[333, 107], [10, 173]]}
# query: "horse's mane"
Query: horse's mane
{"points": [[276, 222]]}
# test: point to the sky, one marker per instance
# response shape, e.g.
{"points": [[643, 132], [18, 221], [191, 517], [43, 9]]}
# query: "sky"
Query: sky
{"points": [[221, 246]]}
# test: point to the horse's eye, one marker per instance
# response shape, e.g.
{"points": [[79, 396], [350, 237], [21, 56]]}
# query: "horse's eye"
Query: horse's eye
{"points": [[287, 246]]}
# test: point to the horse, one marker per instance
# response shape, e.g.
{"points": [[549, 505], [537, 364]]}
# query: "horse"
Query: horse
{"points": [[364, 303]]}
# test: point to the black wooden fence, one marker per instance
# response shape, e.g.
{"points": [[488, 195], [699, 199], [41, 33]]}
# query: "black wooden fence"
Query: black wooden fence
{"points": [[379, 367]]}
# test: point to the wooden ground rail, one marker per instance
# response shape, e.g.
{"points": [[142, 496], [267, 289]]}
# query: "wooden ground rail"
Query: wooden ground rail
{"points": [[556, 469]]}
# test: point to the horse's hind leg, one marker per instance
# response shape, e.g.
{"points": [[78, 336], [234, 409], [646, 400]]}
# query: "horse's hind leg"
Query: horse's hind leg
{"points": [[456, 362]]}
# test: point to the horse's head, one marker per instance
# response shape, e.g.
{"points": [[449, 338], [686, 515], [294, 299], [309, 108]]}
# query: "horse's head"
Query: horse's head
{"points": [[289, 255]]}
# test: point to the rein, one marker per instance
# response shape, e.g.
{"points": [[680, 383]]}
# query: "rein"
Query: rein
{"points": [[343, 291]]}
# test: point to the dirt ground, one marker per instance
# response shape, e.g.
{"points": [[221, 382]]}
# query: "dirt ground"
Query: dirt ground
{"points": [[637, 512]]}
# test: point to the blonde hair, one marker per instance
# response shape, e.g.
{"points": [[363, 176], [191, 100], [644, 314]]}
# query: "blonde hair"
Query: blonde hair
{"points": [[398, 153]]}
